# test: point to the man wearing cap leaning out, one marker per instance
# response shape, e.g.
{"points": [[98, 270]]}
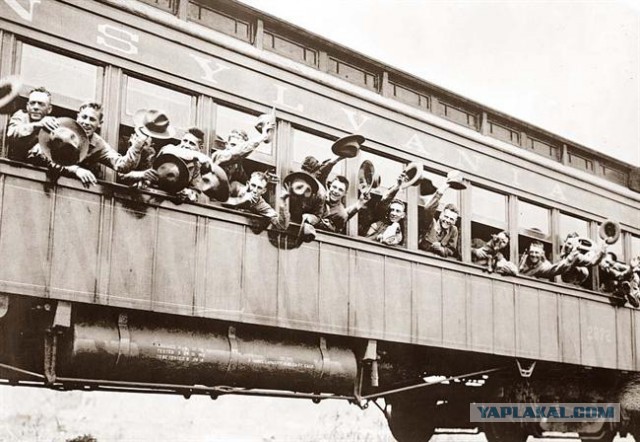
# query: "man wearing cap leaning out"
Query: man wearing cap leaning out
{"points": [[24, 125], [336, 215], [621, 280], [100, 152], [440, 235], [237, 147], [578, 260], [534, 263], [388, 216], [249, 197]]}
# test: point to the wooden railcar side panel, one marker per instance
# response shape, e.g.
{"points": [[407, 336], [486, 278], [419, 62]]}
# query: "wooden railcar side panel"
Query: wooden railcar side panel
{"points": [[636, 339], [24, 236], [74, 261], [223, 270], [260, 279], [334, 288], [174, 270], [132, 255], [481, 314], [504, 318], [570, 330], [624, 339], [427, 321], [397, 299], [454, 309], [366, 295], [527, 323], [549, 331], [298, 286], [598, 327]]}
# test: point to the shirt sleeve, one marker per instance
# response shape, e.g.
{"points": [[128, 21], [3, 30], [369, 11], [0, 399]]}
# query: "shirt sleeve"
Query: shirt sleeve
{"points": [[19, 125], [108, 156]]}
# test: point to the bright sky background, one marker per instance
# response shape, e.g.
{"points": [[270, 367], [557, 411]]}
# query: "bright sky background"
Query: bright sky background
{"points": [[570, 67]]}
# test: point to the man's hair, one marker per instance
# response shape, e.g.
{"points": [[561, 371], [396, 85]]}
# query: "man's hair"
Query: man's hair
{"points": [[507, 234], [41, 89], [310, 164], [537, 244], [240, 133], [261, 175], [453, 208], [399, 201], [196, 132], [92, 105], [572, 235], [343, 180]]}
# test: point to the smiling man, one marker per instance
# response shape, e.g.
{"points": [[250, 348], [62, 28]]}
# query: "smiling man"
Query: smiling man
{"points": [[24, 126], [440, 235]]}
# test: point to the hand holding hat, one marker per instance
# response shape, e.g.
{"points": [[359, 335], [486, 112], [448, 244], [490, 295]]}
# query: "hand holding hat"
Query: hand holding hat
{"points": [[67, 144], [153, 123]]}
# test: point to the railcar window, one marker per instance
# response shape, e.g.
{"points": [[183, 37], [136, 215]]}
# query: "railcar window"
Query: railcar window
{"points": [[167, 5], [534, 225], [39, 67], [488, 217], [228, 119], [219, 21], [570, 224], [305, 144], [635, 246]]}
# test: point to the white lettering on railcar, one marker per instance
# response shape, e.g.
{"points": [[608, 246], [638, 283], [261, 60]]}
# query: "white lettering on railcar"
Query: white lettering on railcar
{"points": [[352, 116], [208, 68], [22, 12], [280, 91], [118, 39]]}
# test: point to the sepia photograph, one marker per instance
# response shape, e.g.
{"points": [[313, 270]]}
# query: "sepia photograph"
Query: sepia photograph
{"points": [[319, 221]]}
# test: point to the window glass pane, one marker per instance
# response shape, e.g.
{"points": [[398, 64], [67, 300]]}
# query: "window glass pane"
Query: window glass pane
{"points": [[59, 74], [143, 95], [532, 217], [388, 169], [570, 224], [450, 196], [635, 246], [489, 205], [228, 119], [305, 144]]}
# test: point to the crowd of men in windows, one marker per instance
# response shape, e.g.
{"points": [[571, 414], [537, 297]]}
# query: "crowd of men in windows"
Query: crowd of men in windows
{"points": [[313, 197]]}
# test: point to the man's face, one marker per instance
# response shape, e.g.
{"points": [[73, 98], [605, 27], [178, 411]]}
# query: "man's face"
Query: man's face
{"points": [[396, 212], [337, 189], [89, 119], [38, 106], [536, 254], [447, 218], [234, 140], [257, 186], [501, 241], [189, 141]]}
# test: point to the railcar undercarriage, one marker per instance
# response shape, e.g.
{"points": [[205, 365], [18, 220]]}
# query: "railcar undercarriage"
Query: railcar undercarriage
{"points": [[421, 390]]}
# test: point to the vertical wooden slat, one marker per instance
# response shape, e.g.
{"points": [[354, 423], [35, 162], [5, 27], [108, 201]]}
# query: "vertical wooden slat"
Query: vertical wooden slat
{"points": [[298, 286], [334, 288], [426, 322], [504, 327], [397, 299], [527, 323], [454, 309], [74, 257], [624, 339], [367, 295], [260, 278], [570, 330], [24, 238], [598, 326], [481, 317], [549, 339], [174, 273], [132, 254], [223, 270]]}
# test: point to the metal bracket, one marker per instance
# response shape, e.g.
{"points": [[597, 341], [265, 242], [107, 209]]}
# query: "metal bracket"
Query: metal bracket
{"points": [[62, 317], [526, 371], [124, 344], [4, 305], [233, 349], [50, 350], [371, 355]]}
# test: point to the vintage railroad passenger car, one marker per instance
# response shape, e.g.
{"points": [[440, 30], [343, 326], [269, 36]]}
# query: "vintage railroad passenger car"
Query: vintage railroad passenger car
{"points": [[102, 291]]}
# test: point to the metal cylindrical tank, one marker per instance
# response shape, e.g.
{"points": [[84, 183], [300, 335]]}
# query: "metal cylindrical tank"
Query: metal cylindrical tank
{"points": [[146, 350]]}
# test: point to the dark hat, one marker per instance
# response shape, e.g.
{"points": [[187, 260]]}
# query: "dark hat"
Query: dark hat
{"points": [[9, 90], [67, 145], [367, 177], [426, 186], [153, 123], [301, 182], [609, 231], [215, 184], [347, 147], [173, 172]]}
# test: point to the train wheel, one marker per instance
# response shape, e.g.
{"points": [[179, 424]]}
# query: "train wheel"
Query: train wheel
{"points": [[505, 432], [410, 421]]}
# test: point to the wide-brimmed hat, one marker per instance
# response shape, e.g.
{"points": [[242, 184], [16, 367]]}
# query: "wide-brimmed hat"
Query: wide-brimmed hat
{"points": [[9, 90], [67, 145], [455, 180], [173, 172], [609, 231], [300, 183], [215, 184], [347, 147], [368, 178], [307, 233], [153, 123]]}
